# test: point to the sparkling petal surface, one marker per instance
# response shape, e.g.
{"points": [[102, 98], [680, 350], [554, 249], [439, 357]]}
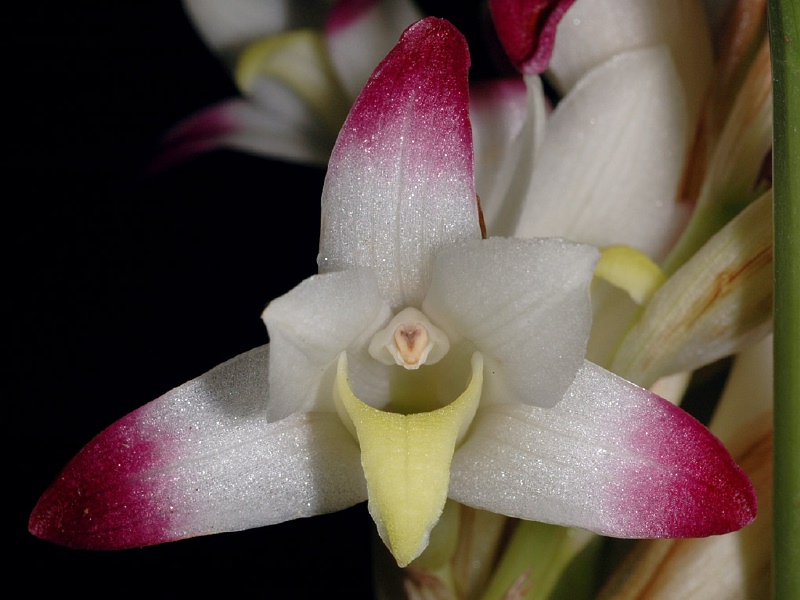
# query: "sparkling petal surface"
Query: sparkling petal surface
{"points": [[400, 185], [525, 306], [201, 459], [610, 457]]}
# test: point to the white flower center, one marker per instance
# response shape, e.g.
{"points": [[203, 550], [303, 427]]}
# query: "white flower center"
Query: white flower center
{"points": [[409, 340]]}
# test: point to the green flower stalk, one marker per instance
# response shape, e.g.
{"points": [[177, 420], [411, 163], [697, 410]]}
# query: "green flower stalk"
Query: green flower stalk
{"points": [[784, 23]]}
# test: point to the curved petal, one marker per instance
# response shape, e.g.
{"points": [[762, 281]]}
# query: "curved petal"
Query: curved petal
{"points": [[527, 30], [201, 459], [525, 306], [359, 33], [611, 162], [593, 31], [227, 27], [610, 457], [400, 185], [508, 124], [309, 327]]}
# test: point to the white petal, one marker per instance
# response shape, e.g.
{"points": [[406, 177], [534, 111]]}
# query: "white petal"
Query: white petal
{"points": [[297, 59], [300, 136], [288, 129], [202, 459], [309, 327], [525, 306], [611, 162], [610, 457]]}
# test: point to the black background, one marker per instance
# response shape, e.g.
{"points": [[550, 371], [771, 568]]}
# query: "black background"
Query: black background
{"points": [[124, 285]]}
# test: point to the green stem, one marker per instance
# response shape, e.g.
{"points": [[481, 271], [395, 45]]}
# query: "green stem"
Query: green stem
{"points": [[784, 23]]}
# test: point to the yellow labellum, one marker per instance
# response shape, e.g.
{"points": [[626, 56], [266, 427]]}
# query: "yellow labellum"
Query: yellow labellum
{"points": [[406, 460], [630, 270], [298, 59]]}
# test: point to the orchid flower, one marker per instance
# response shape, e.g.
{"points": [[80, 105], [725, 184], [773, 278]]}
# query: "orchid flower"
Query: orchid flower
{"points": [[422, 363]]}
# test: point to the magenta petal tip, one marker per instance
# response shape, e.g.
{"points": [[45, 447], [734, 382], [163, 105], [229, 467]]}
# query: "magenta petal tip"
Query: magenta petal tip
{"points": [[703, 493], [98, 502]]}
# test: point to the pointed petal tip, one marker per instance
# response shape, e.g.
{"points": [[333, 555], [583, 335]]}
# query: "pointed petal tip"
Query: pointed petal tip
{"points": [[402, 167], [431, 54], [96, 503], [623, 463], [703, 493]]}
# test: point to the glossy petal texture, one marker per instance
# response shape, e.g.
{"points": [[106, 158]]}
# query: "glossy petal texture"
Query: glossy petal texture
{"points": [[400, 228], [309, 327], [611, 161], [526, 309], [359, 33], [610, 457], [527, 30], [400, 186], [201, 459]]}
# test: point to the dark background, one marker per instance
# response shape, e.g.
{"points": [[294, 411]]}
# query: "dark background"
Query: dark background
{"points": [[124, 285]]}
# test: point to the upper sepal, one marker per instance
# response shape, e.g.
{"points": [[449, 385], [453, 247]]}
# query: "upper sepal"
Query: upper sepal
{"points": [[400, 182]]}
